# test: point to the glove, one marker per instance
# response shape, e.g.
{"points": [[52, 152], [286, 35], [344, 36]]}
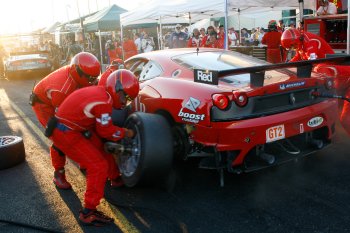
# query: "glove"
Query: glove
{"points": [[129, 133]]}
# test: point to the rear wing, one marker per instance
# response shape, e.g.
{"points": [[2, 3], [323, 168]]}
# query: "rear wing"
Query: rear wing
{"points": [[257, 73]]}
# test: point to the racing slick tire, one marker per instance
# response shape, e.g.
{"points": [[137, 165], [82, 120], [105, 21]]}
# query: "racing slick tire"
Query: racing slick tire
{"points": [[151, 154], [11, 151]]}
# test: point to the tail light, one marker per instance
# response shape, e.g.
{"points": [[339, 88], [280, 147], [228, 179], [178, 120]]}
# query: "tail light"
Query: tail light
{"points": [[220, 101], [42, 61], [16, 63], [240, 98]]}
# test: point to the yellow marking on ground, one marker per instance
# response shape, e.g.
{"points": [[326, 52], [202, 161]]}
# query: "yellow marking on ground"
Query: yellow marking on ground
{"points": [[120, 220]]}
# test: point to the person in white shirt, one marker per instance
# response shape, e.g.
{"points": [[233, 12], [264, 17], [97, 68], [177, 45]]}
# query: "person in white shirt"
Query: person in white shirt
{"points": [[147, 43], [138, 43], [233, 36], [326, 8]]}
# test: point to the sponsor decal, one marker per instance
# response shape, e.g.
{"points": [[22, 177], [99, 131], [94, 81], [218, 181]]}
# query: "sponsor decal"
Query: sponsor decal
{"points": [[284, 86], [292, 98], [191, 117], [206, 76], [139, 107], [301, 128], [192, 104], [314, 122], [105, 119], [275, 133]]}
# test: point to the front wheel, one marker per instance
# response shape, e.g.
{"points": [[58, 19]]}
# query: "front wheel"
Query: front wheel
{"points": [[149, 155]]}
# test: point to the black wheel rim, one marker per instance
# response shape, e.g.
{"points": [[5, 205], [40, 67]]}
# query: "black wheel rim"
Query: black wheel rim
{"points": [[129, 162]]}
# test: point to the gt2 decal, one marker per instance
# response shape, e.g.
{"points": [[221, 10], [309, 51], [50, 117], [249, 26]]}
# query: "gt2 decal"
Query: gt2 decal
{"points": [[291, 85], [206, 76]]}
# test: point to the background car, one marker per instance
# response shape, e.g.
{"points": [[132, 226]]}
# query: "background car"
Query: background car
{"points": [[22, 64], [236, 112]]}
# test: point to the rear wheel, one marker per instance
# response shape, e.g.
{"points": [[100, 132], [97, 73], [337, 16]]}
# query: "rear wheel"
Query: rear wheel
{"points": [[149, 155], [11, 151]]}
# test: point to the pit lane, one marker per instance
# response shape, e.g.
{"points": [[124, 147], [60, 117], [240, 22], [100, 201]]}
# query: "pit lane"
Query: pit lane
{"points": [[310, 195]]}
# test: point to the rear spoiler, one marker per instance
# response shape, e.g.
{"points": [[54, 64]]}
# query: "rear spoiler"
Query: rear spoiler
{"points": [[257, 73]]}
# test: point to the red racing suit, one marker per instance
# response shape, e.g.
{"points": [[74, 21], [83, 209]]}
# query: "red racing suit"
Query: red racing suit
{"points": [[312, 47], [89, 109], [51, 91], [103, 79], [272, 40]]}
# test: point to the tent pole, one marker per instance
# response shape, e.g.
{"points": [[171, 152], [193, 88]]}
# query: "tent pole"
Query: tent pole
{"points": [[348, 33], [239, 27], [101, 55], [161, 33], [226, 34], [121, 40], [301, 10], [158, 37]]}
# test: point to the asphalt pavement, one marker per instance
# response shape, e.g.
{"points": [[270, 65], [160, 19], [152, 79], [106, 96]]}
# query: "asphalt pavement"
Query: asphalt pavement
{"points": [[309, 195]]}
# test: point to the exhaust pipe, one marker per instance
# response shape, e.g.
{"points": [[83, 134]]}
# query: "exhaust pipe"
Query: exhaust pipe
{"points": [[317, 143], [268, 158]]}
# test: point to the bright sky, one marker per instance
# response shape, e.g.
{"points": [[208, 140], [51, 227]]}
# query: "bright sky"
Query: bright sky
{"points": [[20, 16]]}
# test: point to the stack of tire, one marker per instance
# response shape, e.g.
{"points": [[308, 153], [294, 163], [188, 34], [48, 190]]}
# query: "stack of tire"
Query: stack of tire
{"points": [[11, 151]]}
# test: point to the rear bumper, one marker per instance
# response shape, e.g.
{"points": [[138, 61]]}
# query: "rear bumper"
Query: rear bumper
{"points": [[244, 135], [23, 73]]}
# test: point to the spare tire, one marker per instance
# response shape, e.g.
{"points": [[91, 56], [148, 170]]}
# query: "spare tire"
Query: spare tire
{"points": [[148, 156], [11, 151]]}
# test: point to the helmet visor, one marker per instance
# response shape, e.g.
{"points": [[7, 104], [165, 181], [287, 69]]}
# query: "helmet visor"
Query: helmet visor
{"points": [[91, 79], [124, 98]]}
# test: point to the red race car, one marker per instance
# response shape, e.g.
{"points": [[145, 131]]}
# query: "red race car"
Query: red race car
{"points": [[237, 112]]}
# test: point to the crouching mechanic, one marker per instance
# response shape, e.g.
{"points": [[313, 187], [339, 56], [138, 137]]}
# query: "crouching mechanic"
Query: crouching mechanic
{"points": [[50, 92], [84, 118]]}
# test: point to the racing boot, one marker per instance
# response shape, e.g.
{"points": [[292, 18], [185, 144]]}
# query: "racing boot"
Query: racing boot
{"points": [[60, 180], [117, 182], [94, 217]]}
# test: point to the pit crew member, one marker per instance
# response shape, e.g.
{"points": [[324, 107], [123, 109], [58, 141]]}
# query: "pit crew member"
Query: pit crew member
{"points": [[84, 118], [309, 46], [272, 39], [115, 65], [50, 92]]}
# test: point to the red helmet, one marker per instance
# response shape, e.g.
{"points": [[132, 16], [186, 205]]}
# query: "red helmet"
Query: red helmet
{"points": [[291, 38], [122, 85], [272, 25], [85, 68]]}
